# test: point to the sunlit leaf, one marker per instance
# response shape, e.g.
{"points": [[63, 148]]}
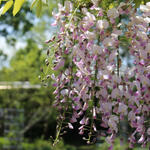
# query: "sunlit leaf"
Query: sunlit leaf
{"points": [[111, 6], [6, 7], [44, 1], [33, 3], [39, 8], [17, 6], [137, 3]]}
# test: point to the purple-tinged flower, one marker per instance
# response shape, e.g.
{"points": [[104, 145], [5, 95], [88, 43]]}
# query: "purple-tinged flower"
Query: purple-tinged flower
{"points": [[64, 92], [112, 122], [73, 119], [110, 147], [76, 99], [94, 127], [94, 113], [68, 6], [60, 64], [115, 93], [70, 126], [148, 131], [90, 35], [122, 108], [132, 138], [82, 122], [85, 106], [104, 125], [81, 130], [110, 139], [141, 140], [100, 13], [113, 13], [102, 24], [75, 115], [106, 107], [80, 113]]}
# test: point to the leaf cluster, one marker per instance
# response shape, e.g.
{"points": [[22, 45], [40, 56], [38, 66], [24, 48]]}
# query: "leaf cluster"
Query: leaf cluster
{"points": [[17, 4]]}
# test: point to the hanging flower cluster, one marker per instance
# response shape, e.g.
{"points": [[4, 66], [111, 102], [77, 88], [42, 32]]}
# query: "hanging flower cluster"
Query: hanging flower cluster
{"points": [[91, 89]]}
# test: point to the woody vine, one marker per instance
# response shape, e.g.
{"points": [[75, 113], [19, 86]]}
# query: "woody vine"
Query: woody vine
{"points": [[92, 86]]}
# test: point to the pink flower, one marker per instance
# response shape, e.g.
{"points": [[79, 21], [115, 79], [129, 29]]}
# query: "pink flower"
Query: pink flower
{"points": [[73, 120], [112, 122], [110, 139], [148, 131], [141, 140], [70, 126], [64, 92], [113, 13], [59, 64], [104, 93], [108, 42], [68, 6], [54, 23], [115, 93], [106, 107], [132, 138], [94, 127], [94, 113], [102, 24], [85, 106], [81, 130], [90, 35], [145, 8], [82, 122], [122, 108], [131, 116], [110, 148]]}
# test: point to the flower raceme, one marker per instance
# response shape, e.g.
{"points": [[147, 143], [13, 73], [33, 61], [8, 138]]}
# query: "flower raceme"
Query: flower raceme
{"points": [[93, 86]]}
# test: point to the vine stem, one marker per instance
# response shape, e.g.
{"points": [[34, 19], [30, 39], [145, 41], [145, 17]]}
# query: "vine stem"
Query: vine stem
{"points": [[66, 28], [94, 96], [59, 131], [72, 16], [118, 63]]}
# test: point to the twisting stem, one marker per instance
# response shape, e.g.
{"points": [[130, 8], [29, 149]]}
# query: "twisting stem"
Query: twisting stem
{"points": [[59, 131], [94, 97], [118, 62]]}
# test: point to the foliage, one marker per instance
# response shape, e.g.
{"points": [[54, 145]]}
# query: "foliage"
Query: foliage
{"points": [[14, 28], [49, 3], [25, 65], [39, 145], [17, 5], [47, 145]]}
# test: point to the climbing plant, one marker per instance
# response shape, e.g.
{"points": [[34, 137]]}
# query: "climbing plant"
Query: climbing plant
{"points": [[93, 86]]}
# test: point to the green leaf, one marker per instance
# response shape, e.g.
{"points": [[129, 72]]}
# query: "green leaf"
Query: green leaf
{"points": [[33, 3], [6, 7], [17, 6], [39, 8], [44, 1], [137, 3]]}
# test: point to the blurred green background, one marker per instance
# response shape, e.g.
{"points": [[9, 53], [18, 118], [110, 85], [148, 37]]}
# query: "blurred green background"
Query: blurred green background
{"points": [[22, 60]]}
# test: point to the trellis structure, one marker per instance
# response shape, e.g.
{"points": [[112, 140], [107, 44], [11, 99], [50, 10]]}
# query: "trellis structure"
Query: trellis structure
{"points": [[13, 118], [13, 123]]}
